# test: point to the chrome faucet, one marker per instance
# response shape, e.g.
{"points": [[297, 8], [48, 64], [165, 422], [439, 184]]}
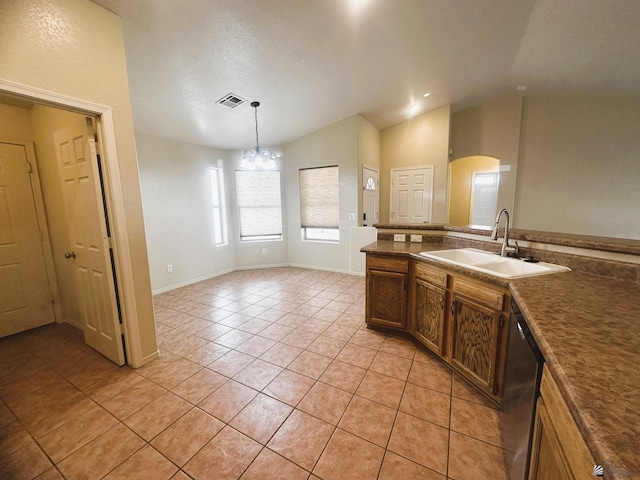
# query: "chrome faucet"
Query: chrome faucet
{"points": [[507, 249]]}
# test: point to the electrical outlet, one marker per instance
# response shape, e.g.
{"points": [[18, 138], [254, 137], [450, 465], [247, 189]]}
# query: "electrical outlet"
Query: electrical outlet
{"points": [[264, 251], [416, 238], [170, 268], [399, 237]]}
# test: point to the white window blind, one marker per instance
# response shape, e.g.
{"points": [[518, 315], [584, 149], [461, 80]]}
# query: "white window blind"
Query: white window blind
{"points": [[319, 198], [259, 208]]}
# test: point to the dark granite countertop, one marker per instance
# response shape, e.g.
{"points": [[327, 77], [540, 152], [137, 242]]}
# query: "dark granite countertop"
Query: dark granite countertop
{"points": [[587, 327]]}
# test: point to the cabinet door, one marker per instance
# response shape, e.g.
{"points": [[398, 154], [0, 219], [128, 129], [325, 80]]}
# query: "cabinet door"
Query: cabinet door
{"points": [[548, 461], [474, 349], [387, 298], [429, 315]]}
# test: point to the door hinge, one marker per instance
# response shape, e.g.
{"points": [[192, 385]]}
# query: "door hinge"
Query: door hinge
{"points": [[29, 166], [501, 321], [121, 329], [495, 388], [107, 242]]}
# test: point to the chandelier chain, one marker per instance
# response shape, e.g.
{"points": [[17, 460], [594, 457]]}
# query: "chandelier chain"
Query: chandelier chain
{"points": [[257, 141]]}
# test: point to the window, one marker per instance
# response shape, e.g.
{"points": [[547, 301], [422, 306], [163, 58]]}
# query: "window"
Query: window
{"points": [[484, 197], [259, 209], [320, 204], [218, 206]]}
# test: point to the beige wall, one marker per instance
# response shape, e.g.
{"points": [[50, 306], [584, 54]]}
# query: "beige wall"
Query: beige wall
{"points": [[579, 167], [75, 48], [423, 140], [336, 144], [176, 195], [15, 123], [492, 129], [460, 185]]}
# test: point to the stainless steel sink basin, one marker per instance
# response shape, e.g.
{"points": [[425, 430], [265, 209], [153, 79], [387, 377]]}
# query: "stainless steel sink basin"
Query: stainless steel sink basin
{"points": [[493, 264]]}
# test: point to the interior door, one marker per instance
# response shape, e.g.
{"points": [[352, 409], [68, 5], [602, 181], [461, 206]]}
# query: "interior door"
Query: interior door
{"points": [[370, 196], [411, 194], [89, 239], [25, 295]]}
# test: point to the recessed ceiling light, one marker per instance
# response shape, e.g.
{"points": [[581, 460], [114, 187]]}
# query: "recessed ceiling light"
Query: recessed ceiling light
{"points": [[426, 94], [521, 88]]}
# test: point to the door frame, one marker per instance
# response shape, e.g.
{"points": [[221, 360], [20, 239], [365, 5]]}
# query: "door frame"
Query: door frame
{"points": [[114, 200], [45, 240]]}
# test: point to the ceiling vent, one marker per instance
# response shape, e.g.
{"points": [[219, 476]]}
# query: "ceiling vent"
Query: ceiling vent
{"points": [[231, 100]]}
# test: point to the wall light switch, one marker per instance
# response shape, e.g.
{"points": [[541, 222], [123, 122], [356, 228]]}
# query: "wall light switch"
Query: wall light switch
{"points": [[170, 268], [399, 237], [352, 216], [416, 238]]}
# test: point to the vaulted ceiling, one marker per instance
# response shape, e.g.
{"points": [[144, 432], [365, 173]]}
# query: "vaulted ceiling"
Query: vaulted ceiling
{"points": [[313, 62]]}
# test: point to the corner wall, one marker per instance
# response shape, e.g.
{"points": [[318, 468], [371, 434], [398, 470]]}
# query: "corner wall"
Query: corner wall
{"points": [[335, 144], [176, 196], [491, 129], [423, 140]]}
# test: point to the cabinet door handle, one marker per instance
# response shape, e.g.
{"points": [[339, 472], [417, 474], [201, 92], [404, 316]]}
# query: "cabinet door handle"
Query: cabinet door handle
{"points": [[442, 303], [453, 308]]}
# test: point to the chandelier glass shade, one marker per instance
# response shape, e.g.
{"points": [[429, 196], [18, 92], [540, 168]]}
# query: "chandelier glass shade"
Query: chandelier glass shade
{"points": [[255, 158]]}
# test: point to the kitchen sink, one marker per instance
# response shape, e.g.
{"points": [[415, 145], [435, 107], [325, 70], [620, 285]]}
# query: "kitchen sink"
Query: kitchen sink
{"points": [[494, 264]]}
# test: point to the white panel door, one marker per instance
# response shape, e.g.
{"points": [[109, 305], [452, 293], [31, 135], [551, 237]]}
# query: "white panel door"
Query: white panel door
{"points": [[91, 253], [370, 196], [25, 296], [411, 194]]}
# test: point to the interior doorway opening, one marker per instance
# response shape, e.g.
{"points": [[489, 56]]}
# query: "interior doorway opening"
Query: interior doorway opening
{"points": [[84, 294], [474, 184]]}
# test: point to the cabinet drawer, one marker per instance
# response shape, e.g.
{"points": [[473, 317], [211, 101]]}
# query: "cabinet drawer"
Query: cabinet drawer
{"points": [[390, 264], [431, 275], [478, 292]]}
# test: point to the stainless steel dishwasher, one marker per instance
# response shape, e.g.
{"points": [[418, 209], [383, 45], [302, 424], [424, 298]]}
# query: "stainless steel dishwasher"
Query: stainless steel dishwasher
{"points": [[521, 389]]}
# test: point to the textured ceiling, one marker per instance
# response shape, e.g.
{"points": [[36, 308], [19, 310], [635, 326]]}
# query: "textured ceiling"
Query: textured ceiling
{"points": [[313, 62]]}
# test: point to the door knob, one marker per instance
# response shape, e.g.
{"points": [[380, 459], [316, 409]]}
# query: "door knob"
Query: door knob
{"points": [[70, 255]]}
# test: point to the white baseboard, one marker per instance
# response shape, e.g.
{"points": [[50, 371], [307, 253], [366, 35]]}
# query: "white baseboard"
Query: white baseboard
{"points": [[253, 267], [325, 269], [192, 281], [256, 267]]}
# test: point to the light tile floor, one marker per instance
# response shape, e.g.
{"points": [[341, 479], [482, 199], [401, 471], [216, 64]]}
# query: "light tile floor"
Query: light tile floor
{"points": [[263, 374]]}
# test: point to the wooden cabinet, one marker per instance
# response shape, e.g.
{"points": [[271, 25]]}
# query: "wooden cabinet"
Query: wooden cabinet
{"points": [[558, 450], [460, 318], [386, 303], [428, 304], [549, 462], [477, 323]]}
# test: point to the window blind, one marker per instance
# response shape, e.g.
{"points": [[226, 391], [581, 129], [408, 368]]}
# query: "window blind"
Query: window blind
{"points": [[319, 197], [259, 208]]}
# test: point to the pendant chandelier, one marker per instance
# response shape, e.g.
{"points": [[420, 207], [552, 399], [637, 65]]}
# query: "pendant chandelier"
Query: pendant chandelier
{"points": [[255, 158]]}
